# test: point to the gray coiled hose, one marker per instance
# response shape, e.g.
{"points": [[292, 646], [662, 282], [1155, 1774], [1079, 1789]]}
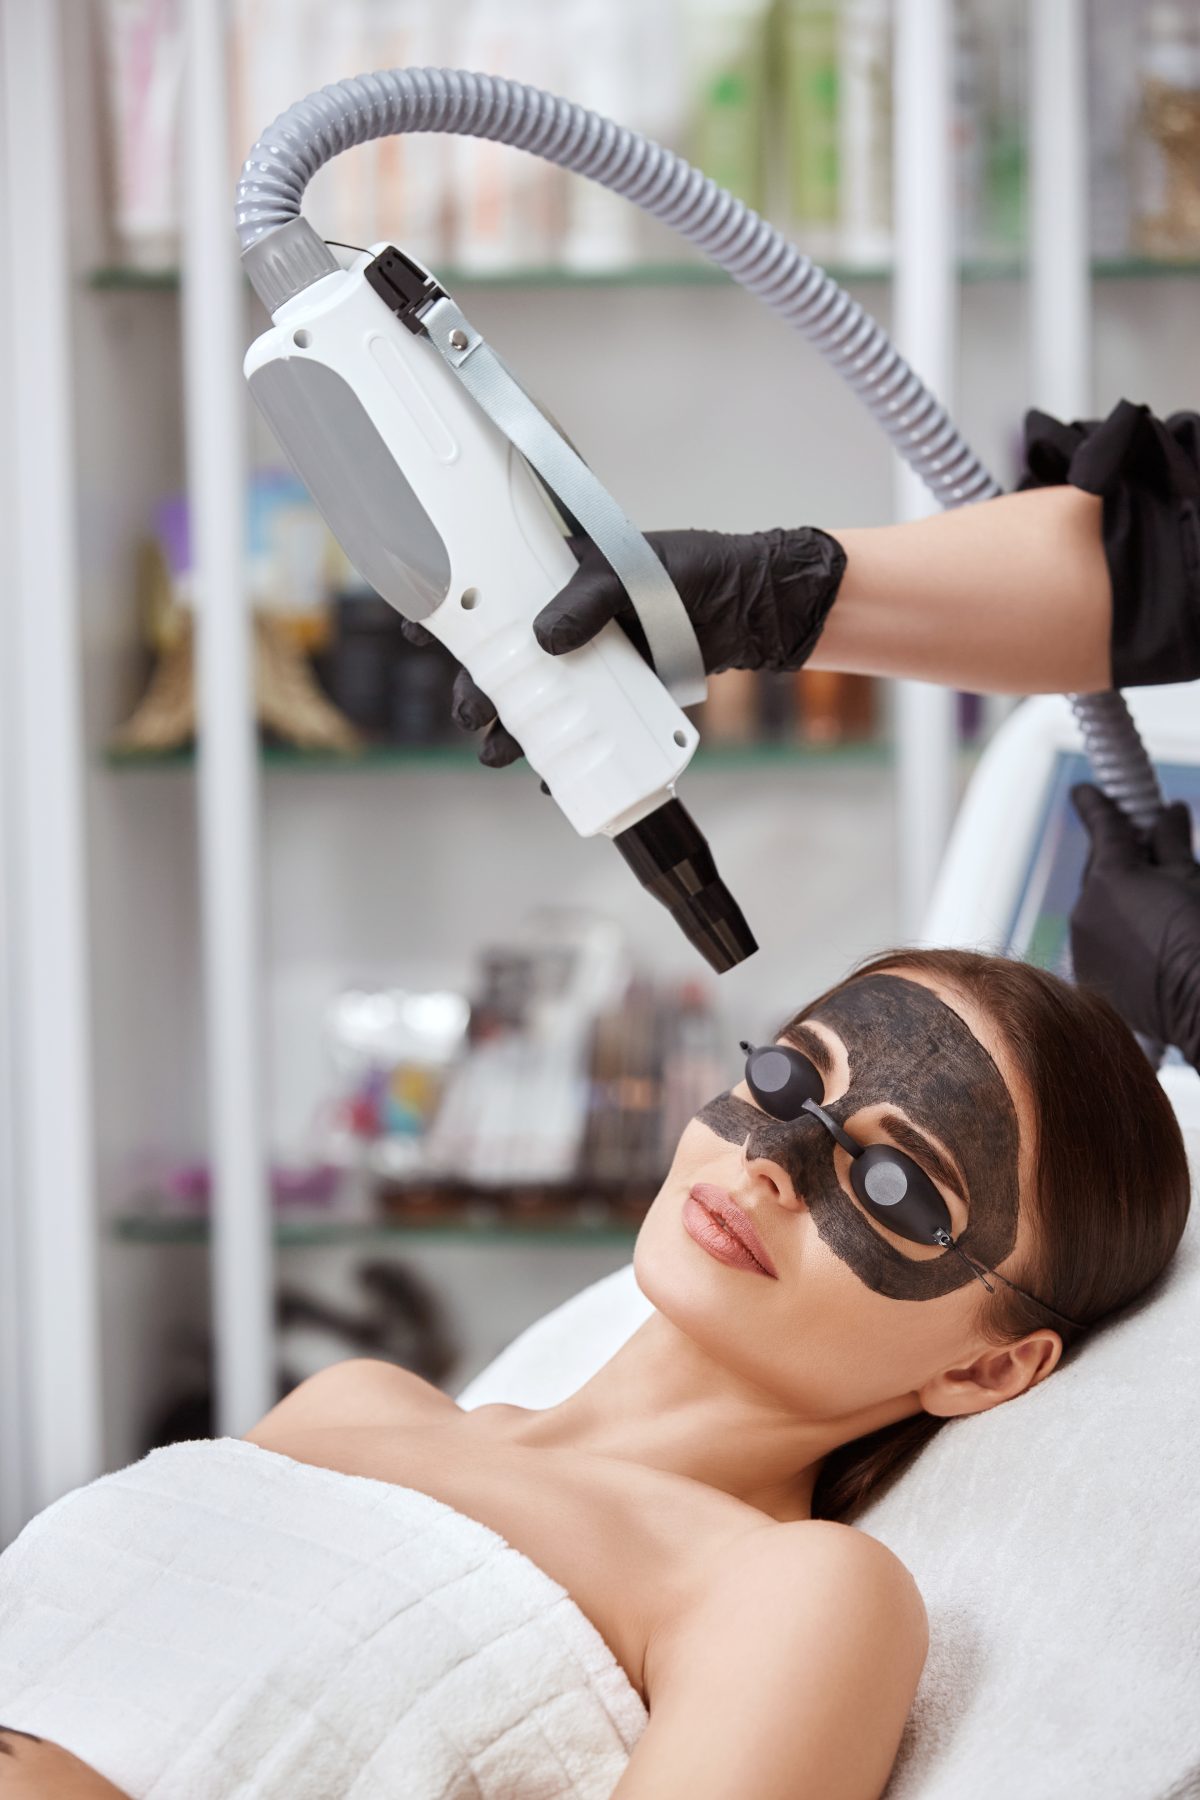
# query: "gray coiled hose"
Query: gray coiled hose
{"points": [[310, 133]]}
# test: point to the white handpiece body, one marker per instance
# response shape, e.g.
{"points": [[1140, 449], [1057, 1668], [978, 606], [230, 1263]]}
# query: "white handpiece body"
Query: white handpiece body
{"points": [[441, 514]]}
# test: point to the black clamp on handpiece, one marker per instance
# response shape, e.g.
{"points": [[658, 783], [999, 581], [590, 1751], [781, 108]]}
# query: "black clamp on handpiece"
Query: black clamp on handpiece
{"points": [[404, 286]]}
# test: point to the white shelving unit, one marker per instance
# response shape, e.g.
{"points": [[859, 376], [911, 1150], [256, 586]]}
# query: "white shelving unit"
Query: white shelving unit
{"points": [[166, 928]]}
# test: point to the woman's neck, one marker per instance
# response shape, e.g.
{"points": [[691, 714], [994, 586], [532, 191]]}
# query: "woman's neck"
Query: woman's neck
{"points": [[662, 1403]]}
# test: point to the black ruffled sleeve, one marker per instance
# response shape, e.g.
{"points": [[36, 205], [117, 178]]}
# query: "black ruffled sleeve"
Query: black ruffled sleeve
{"points": [[1147, 471]]}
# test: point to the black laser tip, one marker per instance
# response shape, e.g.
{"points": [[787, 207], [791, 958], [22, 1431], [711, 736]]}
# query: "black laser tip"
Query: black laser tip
{"points": [[670, 857]]}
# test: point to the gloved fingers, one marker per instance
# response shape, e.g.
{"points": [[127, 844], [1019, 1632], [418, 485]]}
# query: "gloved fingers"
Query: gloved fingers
{"points": [[470, 707], [578, 611], [499, 748], [417, 634], [1116, 842], [1171, 837]]}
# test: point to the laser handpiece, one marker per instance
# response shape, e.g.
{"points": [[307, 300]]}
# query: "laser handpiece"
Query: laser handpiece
{"points": [[388, 102], [420, 448]]}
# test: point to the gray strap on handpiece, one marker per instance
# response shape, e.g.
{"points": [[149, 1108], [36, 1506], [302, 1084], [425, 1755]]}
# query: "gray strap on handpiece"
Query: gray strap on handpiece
{"points": [[662, 614]]}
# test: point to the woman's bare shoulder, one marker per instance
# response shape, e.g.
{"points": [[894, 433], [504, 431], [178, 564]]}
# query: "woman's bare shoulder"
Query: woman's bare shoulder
{"points": [[813, 1635], [814, 1563], [362, 1390]]}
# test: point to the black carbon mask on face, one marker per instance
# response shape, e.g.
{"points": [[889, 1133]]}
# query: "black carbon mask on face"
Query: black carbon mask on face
{"points": [[909, 1051]]}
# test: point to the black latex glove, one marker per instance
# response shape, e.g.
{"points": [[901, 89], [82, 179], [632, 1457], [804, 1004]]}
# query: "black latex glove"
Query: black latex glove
{"points": [[757, 600], [1147, 472], [1135, 928]]}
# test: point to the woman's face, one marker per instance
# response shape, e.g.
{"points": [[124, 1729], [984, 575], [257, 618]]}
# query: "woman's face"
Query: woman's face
{"points": [[856, 1314]]}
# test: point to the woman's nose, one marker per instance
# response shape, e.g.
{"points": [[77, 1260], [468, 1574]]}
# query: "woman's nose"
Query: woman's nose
{"points": [[773, 1175]]}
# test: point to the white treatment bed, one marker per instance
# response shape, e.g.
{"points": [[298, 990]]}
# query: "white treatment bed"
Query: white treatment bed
{"points": [[1056, 1539]]}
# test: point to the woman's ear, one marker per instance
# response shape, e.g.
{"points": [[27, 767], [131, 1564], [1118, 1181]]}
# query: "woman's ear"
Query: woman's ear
{"points": [[998, 1373]]}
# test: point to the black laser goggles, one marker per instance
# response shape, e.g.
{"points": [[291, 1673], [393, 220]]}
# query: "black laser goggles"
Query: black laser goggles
{"points": [[892, 1187]]}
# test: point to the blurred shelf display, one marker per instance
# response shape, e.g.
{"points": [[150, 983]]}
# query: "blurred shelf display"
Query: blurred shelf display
{"points": [[116, 278], [443, 756], [787, 104], [545, 1094]]}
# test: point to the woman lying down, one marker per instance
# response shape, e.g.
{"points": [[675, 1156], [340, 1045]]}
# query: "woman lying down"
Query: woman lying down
{"points": [[907, 1210]]}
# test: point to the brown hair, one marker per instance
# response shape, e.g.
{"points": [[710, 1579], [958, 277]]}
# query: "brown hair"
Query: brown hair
{"points": [[1110, 1194]]}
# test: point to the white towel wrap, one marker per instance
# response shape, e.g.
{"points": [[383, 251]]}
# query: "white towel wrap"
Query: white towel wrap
{"points": [[218, 1620]]}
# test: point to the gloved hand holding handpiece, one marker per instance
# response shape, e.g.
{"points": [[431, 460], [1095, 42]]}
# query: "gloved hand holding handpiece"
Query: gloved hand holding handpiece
{"points": [[756, 600], [1135, 928]]}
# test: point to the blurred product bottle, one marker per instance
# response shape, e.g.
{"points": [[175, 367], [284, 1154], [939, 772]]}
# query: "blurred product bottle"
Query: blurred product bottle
{"points": [[1168, 163], [809, 43], [776, 706], [725, 47], [1004, 34], [412, 171], [657, 86], [1113, 33], [967, 130], [731, 708], [270, 65], [288, 556], [655, 99], [508, 204], [865, 132], [422, 680], [599, 43], [366, 645], [283, 50], [388, 687], [623, 1141], [390, 1050], [344, 194], [143, 56], [833, 708], [394, 187], [693, 1067]]}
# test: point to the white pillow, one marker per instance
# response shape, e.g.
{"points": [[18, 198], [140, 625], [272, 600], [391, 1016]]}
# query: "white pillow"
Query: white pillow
{"points": [[1056, 1540]]}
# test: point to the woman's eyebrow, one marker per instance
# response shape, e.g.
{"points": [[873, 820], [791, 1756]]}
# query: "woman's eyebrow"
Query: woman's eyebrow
{"points": [[917, 1145], [812, 1044]]}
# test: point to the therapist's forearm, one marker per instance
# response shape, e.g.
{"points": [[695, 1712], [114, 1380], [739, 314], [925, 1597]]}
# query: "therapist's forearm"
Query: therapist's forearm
{"points": [[1008, 596]]}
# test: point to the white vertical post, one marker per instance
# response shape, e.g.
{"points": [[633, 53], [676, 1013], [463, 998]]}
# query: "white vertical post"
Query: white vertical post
{"points": [[1059, 259], [227, 750], [924, 327], [14, 1450], [48, 1224]]}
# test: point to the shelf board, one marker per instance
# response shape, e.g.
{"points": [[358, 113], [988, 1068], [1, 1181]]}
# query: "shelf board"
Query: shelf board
{"points": [[315, 1232], [116, 277], [436, 757]]}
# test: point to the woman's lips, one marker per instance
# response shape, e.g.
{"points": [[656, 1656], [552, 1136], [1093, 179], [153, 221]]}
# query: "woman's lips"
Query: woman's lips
{"points": [[718, 1224]]}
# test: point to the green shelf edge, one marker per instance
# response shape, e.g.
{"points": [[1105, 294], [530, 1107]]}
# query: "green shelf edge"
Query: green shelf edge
{"points": [[116, 278], [295, 1233], [450, 757]]}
